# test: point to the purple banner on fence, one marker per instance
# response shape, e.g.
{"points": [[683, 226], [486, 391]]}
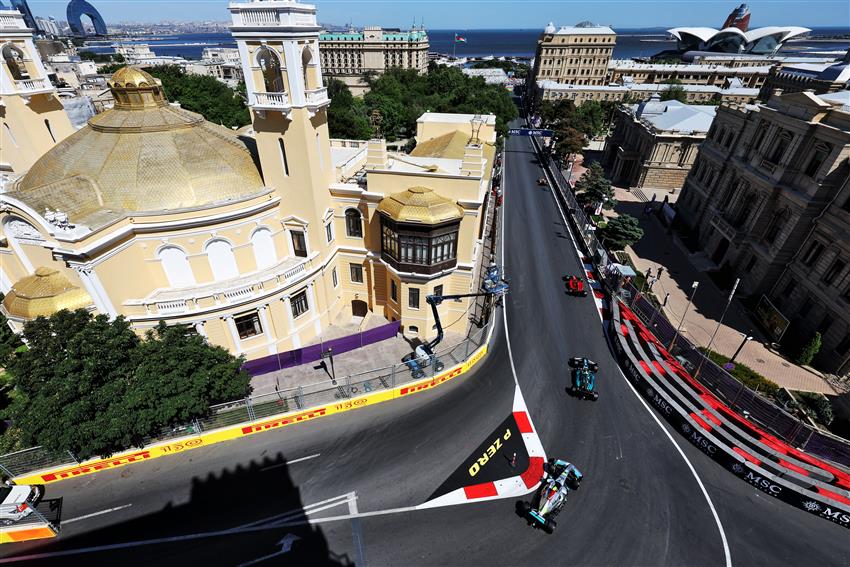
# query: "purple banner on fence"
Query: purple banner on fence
{"points": [[314, 352]]}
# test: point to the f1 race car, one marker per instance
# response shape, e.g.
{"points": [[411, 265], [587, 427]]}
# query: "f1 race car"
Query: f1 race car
{"points": [[575, 286], [542, 181], [559, 478], [583, 378]]}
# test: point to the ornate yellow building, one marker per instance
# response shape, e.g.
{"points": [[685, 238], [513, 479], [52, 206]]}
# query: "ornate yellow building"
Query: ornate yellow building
{"points": [[32, 120], [262, 239]]}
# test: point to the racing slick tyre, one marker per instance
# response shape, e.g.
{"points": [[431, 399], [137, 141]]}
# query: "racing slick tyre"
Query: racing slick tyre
{"points": [[594, 396], [575, 362], [594, 367], [549, 527]]}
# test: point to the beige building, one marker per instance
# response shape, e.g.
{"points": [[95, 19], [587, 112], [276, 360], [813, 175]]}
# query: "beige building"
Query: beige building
{"points": [[654, 143], [574, 55], [769, 201], [262, 240], [32, 119], [695, 94], [350, 56], [622, 71]]}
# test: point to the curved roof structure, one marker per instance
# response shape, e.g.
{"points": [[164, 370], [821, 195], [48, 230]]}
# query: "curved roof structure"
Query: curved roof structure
{"points": [[732, 40], [79, 8], [143, 156], [420, 205], [43, 294]]}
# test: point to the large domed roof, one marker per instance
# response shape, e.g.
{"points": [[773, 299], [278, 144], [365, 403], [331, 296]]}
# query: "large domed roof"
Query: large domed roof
{"points": [[420, 205], [44, 293], [144, 155]]}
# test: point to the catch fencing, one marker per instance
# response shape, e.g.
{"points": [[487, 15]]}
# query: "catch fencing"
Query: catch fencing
{"points": [[735, 394]]}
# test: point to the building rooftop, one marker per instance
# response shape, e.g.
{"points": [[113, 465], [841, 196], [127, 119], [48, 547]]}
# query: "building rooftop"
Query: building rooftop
{"points": [[675, 116], [582, 28], [635, 66], [44, 293], [841, 98], [420, 205], [455, 118], [646, 87]]}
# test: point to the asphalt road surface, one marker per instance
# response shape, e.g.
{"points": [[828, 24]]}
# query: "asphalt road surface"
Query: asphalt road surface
{"points": [[244, 502]]}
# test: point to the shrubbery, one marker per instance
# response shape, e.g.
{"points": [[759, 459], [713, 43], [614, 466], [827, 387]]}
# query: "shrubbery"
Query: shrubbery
{"points": [[746, 375], [818, 406]]}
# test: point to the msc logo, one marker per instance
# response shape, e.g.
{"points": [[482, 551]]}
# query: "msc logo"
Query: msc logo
{"points": [[763, 484], [274, 423], [659, 401], [430, 383], [838, 517], [97, 466], [701, 442]]}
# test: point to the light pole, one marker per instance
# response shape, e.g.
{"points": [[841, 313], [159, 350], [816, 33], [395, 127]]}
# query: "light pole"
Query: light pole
{"points": [[694, 286], [747, 338], [717, 328]]}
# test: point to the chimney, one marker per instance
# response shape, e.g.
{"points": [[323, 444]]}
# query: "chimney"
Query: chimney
{"points": [[376, 154], [473, 160]]}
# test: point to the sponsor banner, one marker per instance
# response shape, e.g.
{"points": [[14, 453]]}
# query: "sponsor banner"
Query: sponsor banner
{"points": [[28, 532], [245, 429]]}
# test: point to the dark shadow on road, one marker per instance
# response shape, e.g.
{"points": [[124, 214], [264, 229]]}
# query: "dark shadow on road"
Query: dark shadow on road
{"points": [[234, 518]]}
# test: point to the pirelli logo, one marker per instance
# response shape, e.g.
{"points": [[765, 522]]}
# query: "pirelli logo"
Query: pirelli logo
{"points": [[430, 383], [475, 358], [280, 422], [96, 466]]}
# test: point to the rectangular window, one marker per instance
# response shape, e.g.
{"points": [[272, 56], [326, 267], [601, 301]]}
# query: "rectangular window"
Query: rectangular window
{"points": [[438, 290], [356, 273], [299, 304], [413, 298], [283, 161], [329, 232], [844, 345], [781, 146], [393, 291], [299, 243], [818, 157], [248, 325], [813, 253], [334, 278], [836, 268]]}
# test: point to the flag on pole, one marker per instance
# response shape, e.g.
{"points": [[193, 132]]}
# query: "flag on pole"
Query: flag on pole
{"points": [[459, 39]]}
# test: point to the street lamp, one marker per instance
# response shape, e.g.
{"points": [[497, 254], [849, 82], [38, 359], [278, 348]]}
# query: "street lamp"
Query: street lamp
{"points": [[694, 286], [720, 322], [747, 338]]}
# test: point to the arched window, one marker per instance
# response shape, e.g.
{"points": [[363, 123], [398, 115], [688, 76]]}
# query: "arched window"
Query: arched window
{"points": [[306, 60], [353, 224], [14, 59], [221, 259], [269, 63], [176, 266], [264, 250]]}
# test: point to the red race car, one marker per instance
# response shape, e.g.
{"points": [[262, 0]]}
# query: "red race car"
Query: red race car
{"points": [[575, 286]]}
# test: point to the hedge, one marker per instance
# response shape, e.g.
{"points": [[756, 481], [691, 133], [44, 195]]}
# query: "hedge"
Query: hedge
{"points": [[745, 375]]}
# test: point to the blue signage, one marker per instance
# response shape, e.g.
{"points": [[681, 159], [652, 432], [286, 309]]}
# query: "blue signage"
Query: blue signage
{"points": [[530, 132]]}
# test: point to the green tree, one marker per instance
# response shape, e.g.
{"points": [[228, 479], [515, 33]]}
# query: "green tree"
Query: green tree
{"points": [[568, 141], [346, 115], [809, 350], [93, 387], [9, 341], [621, 231], [109, 68], [203, 94], [593, 188], [675, 91]]}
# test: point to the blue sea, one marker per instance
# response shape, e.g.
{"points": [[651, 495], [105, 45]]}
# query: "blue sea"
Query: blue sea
{"points": [[499, 43]]}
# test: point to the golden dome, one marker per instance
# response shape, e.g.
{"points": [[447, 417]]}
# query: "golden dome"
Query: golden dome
{"points": [[132, 77], [44, 293], [420, 205], [144, 155]]}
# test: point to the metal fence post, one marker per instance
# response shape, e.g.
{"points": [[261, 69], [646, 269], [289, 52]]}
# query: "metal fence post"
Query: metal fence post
{"points": [[250, 409], [73, 457], [392, 376], [466, 349], [198, 428], [299, 397]]}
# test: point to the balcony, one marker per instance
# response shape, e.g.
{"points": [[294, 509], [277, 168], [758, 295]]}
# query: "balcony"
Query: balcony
{"points": [[28, 87], [272, 101], [279, 13], [725, 228], [205, 297], [317, 98]]}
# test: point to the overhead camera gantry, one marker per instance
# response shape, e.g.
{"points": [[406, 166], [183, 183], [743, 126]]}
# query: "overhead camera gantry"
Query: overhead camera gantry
{"points": [[494, 286]]}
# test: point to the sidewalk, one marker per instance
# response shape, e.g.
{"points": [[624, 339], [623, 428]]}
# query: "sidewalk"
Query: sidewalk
{"points": [[658, 248]]}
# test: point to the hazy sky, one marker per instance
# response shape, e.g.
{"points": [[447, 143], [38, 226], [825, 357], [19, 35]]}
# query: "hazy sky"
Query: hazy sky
{"points": [[465, 14]]}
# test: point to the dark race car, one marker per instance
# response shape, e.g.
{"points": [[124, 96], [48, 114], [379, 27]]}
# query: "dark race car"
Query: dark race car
{"points": [[583, 378], [575, 286]]}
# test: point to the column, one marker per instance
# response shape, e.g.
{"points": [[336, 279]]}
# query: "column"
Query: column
{"points": [[264, 321], [234, 334], [311, 300], [199, 327], [290, 322]]}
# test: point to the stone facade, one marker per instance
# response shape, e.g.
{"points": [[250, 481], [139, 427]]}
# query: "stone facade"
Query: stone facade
{"points": [[820, 78], [695, 94], [769, 200], [645, 152], [576, 55], [626, 70]]}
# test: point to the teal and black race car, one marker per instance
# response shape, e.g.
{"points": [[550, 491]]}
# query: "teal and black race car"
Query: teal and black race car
{"points": [[583, 378]]}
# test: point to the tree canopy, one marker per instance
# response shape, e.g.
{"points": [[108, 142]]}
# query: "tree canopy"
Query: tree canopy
{"points": [[346, 113], [203, 94], [519, 70], [621, 231], [590, 119], [93, 386], [403, 95], [593, 188]]}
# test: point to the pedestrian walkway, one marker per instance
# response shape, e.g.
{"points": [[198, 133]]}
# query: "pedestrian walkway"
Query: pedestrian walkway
{"points": [[657, 248]]}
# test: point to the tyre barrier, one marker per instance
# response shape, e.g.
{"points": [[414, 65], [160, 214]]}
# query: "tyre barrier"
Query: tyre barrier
{"points": [[729, 439]]}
